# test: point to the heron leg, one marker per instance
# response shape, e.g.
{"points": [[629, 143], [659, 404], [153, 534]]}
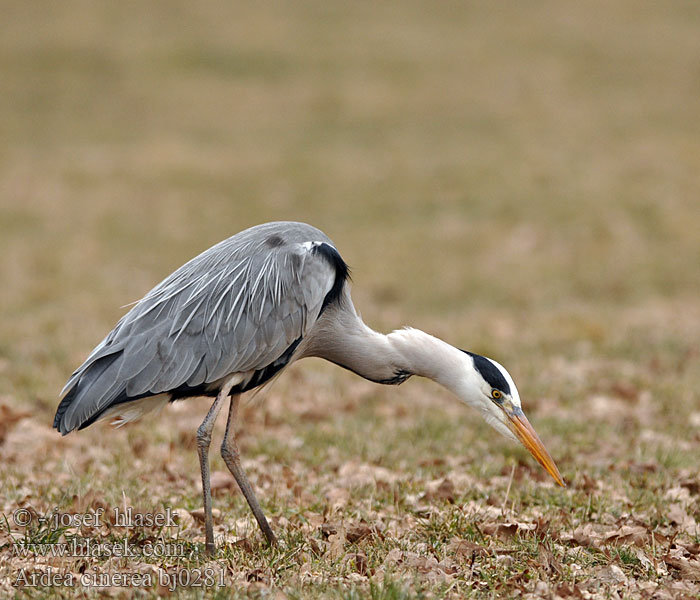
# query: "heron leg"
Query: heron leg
{"points": [[203, 443], [231, 456]]}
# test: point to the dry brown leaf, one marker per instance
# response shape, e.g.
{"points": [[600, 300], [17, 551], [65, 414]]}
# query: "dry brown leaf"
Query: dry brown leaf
{"points": [[358, 531], [612, 575], [589, 535], [443, 490], [689, 569], [328, 529], [424, 511], [314, 414], [428, 564], [642, 558], [257, 574], [677, 494], [466, 548], [222, 480], [435, 461], [625, 390], [337, 499], [678, 516], [198, 513], [354, 474], [315, 520], [542, 528], [547, 561], [245, 544], [422, 564], [586, 483], [8, 418], [567, 590], [628, 534], [684, 590], [692, 485], [316, 546], [336, 544], [507, 531], [693, 549], [393, 557], [92, 500], [501, 530], [360, 560]]}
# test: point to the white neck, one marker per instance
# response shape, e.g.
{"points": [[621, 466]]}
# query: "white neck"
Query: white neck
{"points": [[344, 339]]}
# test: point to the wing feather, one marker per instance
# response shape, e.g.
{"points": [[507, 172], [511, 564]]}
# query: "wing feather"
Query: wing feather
{"points": [[237, 307]]}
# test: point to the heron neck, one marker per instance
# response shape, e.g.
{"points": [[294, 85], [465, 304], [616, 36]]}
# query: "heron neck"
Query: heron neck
{"points": [[347, 341], [428, 356]]}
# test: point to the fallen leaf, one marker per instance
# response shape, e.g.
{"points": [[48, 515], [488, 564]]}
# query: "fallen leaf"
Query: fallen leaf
{"points": [[316, 547], [693, 549], [198, 513], [466, 548], [257, 575], [337, 499], [244, 544], [8, 418], [692, 485], [642, 558], [354, 474], [358, 531], [547, 561], [443, 490], [587, 483], [507, 531], [185, 520], [329, 529], [222, 480], [611, 575], [689, 569], [336, 544], [393, 557], [678, 516], [588, 535], [360, 560], [677, 493], [628, 534], [422, 564]]}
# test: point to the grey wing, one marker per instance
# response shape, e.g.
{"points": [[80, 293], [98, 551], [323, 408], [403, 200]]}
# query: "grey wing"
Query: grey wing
{"points": [[233, 309]]}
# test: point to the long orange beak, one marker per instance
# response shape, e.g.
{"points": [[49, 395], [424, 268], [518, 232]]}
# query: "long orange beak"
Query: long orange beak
{"points": [[520, 426]]}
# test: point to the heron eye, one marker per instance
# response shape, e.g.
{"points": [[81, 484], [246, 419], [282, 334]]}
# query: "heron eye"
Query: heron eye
{"points": [[496, 394]]}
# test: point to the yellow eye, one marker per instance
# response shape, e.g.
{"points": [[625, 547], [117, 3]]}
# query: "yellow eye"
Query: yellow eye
{"points": [[496, 394]]}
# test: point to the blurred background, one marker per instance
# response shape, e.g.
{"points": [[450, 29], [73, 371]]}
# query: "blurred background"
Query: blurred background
{"points": [[521, 179]]}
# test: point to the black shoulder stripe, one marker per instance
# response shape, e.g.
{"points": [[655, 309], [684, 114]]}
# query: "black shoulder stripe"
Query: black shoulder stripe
{"points": [[262, 376], [490, 372], [342, 271]]}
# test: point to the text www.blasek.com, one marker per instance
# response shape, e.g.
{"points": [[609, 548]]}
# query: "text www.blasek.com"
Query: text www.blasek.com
{"points": [[86, 547]]}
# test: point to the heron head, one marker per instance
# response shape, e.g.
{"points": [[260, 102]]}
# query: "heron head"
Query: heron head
{"points": [[493, 392]]}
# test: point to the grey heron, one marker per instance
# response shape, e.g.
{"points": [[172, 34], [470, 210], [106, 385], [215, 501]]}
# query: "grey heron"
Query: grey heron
{"points": [[235, 316]]}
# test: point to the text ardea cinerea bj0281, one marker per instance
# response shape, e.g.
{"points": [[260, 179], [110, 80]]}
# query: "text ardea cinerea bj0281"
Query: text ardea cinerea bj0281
{"points": [[236, 315]]}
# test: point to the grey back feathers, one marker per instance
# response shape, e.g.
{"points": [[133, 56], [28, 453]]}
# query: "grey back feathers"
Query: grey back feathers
{"points": [[241, 306]]}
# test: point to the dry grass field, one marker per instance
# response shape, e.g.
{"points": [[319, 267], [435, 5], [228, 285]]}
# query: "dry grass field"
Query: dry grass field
{"points": [[520, 179]]}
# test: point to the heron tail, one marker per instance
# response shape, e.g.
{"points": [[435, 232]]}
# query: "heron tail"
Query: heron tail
{"points": [[92, 391]]}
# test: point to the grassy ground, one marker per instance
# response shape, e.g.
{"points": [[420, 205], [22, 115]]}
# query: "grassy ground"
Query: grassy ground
{"points": [[521, 180]]}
